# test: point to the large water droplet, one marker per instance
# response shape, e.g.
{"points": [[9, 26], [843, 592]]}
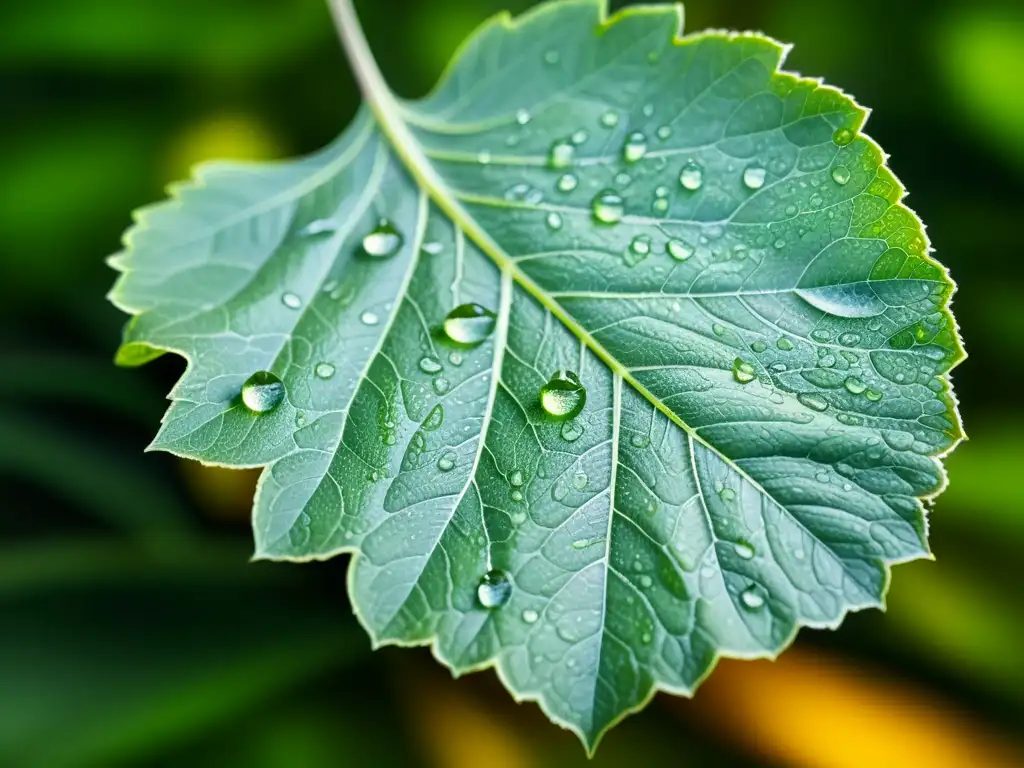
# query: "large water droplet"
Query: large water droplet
{"points": [[854, 385], [324, 370], [608, 207], [635, 147], [561, 154], [494, 590], [743, 371], [566, 182], [383, 241], [842, 136], [678, 250], [563, 396], [291, 300], [753, 177], [692, 176], [752, 598], [469, 324], [262, 392], [840, 175], [446, 463], [812, 401]]}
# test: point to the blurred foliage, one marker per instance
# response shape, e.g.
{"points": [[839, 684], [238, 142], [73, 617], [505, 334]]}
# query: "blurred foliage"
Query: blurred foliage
{"points": [[133, 631]]}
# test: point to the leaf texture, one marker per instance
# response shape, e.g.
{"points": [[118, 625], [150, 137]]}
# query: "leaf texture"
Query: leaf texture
{"points": [[709, 242]]}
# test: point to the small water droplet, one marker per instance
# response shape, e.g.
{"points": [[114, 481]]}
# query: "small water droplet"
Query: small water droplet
{"points": [[554, 221], [383, 241], [639, 248], [262, 392], [610, 119], [523, 116], [743, 550], [784, 344], [639, 441], [441, 385], [563, 396], [530, 616], [561, 154], [467, 324], [369, 318], [752, 598], [430, 365], [873, 395], [842, 136], [635, 147], [692, 176], [446, 463], [727, 494], [648, 110], [645, 638], [516, 478], [579, 480], [455, 359], [291, 300], [571, 431], [812, 401], [758, 347], [646, 581], [324, 370], [664, 132], [433, 247], [660, 205], [579, 137], [840, 175], [743, 371], [753, 177], [483, 156], [567, 182], [318, 227], [608, 207], [494, 589], [434, 419], [854, 385], [678, 250], [517, 495]]}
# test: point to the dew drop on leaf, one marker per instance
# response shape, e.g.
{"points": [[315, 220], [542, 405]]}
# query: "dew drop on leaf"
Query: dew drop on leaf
{"points": [[854, 385], [468, 324], [610, 119], [554, 221], [743, 371], [842, 136], [319, 227], [635, 147], [494, 589], [840, 175], [873, 395], [434, 419], [383, 241], [812, 401], [678, 250], [664, 132], [561, 154], [752, 598], [784, 344], [262, 392], [567, 182], [324, 370], [692, 176], [516, 478], [743, 550], [530, 616], [563, 396], [291, 300], [579, 137], [523, 116], [608, 207], [571, 431], [430, 365], [753, 177], [446, 463], [369, 318]]}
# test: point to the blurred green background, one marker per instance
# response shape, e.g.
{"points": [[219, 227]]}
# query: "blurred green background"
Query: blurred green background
{"points": [[133, 631]]}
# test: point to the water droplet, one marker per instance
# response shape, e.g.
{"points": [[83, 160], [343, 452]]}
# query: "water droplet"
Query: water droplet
{"points": [[645, 638], [660, 205], [446, 463], [441, 385], [840, 174], [608, 207], [873, 395], [623, 179], [369, 318], [743, 550], [571, 431], [727, 494], [318, 227], [383, 241], [812, 401], [743, 371], [561, 154], [291, 300], [579, 137], [523, 116], [262, 392], [567, 182], [664, 132], [678, 250], [516, 478], [610, 119], [646, 581], [455, 358], [530, 616], [430, 365], [779, 244], [494, 590], [635, 147], [854, 385], [691, 177], [563, 396], [517, 495], [842, 136], [433, 247], [466, 324], [551, 57], [483, 156], [579, 480], [554, 220], [752, 598], [753, 177], [784, 344], [758, 346], [434, 419], [648, 110], [639, 248], [639, 441], [820, 334], [324, 370]]}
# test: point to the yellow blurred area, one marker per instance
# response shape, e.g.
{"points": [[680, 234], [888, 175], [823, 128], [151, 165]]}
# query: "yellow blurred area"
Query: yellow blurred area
{"points": [[809, 710], [224, 136], [223, 494]]}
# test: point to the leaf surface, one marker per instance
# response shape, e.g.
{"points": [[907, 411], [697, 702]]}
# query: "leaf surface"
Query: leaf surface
{"points": [[708, 242]]}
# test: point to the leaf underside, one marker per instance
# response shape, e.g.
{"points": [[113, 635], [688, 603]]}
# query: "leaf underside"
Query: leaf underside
{"points": [[763, 418]]}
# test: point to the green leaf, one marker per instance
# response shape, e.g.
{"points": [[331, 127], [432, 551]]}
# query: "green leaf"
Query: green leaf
{"points": [[708, 242]]}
